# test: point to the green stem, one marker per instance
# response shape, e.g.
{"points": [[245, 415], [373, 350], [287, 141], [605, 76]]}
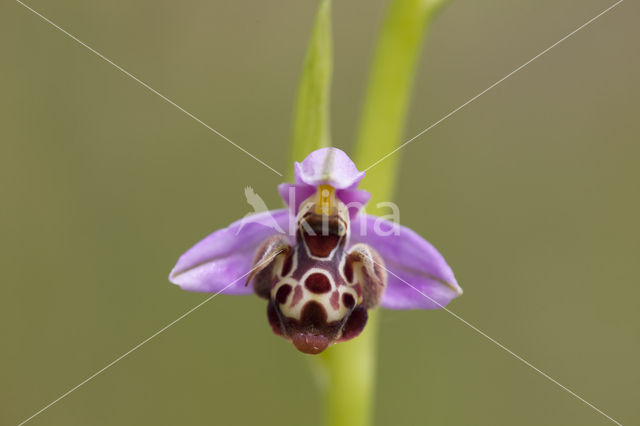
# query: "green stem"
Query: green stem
{"points": [[349, 368], [347, 373], [388, 92]]}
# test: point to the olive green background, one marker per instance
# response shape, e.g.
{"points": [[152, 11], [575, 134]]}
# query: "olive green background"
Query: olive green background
{"points": [[531, 193]]}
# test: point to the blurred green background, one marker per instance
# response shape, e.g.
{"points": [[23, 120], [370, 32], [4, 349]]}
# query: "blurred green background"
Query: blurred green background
{"points": [[531, 193]]}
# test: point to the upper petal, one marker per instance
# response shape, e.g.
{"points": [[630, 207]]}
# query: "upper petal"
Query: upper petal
{"points": [[226, 255], [295, 193], [354, 199], [418, 275], [329, 166]]}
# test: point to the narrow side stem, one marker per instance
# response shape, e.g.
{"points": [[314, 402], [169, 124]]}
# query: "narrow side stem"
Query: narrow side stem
{"points": [[311, 122]]}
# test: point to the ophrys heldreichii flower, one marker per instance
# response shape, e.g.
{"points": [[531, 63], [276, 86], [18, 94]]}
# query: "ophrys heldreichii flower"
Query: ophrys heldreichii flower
{"points": [[321, 263]]}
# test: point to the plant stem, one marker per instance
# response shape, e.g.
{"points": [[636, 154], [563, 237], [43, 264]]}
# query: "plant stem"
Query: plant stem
{"points": [[388, 92], [347, 376], [348, 368]]}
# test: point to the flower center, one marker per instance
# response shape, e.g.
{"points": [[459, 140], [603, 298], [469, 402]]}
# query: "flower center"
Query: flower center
{"points": [[326, 199]]}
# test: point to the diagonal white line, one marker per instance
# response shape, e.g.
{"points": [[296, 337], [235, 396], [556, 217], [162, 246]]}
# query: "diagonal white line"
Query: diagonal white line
{"points": [[503, 347], [495, 84], [136, 347], [145, 85]]}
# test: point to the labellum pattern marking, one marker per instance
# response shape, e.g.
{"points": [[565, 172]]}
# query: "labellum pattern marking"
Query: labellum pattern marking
{"points": [[315, 288]]}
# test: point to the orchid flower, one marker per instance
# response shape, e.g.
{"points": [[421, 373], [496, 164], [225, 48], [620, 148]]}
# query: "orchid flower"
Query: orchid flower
{"points": [[321, 263]]}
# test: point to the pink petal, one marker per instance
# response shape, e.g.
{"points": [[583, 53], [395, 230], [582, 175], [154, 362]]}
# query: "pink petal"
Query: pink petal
{"points": [[226, 256], [329, 166], [418, 275]]}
